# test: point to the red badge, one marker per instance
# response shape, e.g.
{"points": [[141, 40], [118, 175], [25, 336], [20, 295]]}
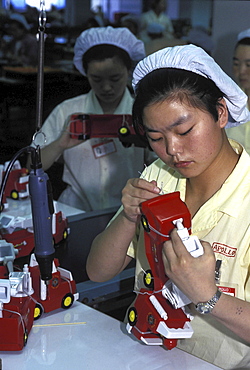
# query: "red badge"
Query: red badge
{"points": [[227, 290]]}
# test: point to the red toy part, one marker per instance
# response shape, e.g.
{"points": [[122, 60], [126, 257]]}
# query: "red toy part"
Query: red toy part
{"points": [[24, 297], [4, 273], [17, 183], [60, 228], [157, 219], [155, 322], [16, 303], [16, 323], [86, 126], [152, 318], [23, 239], [59, 293]]}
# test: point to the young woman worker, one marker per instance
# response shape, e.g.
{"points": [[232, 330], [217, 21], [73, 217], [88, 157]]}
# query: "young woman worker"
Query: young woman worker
{"points": [[97, 169], [183, 103]]}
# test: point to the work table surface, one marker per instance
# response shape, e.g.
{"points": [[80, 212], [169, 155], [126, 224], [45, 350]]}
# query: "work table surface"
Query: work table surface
{"points": [[82, 338]]}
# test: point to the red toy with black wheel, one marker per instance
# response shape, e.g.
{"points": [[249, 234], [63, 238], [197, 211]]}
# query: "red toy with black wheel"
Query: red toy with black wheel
{"points": [[155, 317], [86, 126]]}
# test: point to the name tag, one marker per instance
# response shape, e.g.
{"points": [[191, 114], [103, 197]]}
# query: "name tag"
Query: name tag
{"points": [[105, 148], [227, 290]]}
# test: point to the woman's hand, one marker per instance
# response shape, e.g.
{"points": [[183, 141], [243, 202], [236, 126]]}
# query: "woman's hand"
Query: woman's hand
{"points": [[65, 141], [135, 192], [195, 277], [51, 152], [108, 254]]}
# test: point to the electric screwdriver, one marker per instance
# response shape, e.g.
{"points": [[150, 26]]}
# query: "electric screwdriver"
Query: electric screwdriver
{"points": [[42, 211]]}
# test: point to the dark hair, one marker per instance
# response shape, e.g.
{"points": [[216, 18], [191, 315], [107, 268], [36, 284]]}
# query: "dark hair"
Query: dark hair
{"points": [[17, 23], [104, 51], [171, 84], [154, 4], [245, 41]]}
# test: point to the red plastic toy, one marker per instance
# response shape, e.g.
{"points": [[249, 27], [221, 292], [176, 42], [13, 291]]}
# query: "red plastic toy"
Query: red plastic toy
{"points": [[17, 183], [59, 293], [152, 318], [19, 231], [25, 297], [16, 302], [86, 126], [27, 292], [16, 323]]}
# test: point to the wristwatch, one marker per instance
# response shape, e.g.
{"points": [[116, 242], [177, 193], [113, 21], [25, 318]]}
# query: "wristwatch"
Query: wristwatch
{"points": [[207, 307]]}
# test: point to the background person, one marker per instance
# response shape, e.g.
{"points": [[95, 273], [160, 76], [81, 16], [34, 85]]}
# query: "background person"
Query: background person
{"points": [[198, 35], [131, 22], [182, 98], [104, 55], [22, 49], [156, 15], [157, 39], [241, 71]]}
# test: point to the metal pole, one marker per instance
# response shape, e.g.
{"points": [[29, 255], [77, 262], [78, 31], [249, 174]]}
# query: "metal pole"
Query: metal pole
{"points": [[40, 73]]}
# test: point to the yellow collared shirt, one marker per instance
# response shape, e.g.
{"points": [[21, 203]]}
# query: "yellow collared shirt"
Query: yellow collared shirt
{"points": [[223, 221]]}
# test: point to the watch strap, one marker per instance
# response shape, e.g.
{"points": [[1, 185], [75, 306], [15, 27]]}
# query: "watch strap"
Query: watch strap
{"points": [[207, 307]]}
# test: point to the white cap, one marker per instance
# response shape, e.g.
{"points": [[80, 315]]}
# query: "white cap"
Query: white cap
{"points": [[244, 34], [120, 37], [195, 59]]}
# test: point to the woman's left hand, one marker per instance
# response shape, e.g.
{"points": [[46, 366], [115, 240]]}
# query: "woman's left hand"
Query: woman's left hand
{"points": [[195, 277]]}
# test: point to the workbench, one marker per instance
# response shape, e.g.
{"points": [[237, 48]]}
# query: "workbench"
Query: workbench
{"points": [[113, 296], [82, 338]]}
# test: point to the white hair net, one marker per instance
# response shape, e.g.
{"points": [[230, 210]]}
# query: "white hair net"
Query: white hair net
{"points": [[120, 37], [244, 34], [195, 59]]}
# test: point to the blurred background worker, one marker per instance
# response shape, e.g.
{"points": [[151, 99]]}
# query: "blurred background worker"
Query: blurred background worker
{"points": [[22, 48], [156, 15], [199, 36], [241, 70], [97, 169], [157, 39]]}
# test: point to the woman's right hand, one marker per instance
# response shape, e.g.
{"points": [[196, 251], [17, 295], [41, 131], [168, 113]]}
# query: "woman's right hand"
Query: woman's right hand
{"points": [[51, 152], [135, 192], [65, 141]]}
